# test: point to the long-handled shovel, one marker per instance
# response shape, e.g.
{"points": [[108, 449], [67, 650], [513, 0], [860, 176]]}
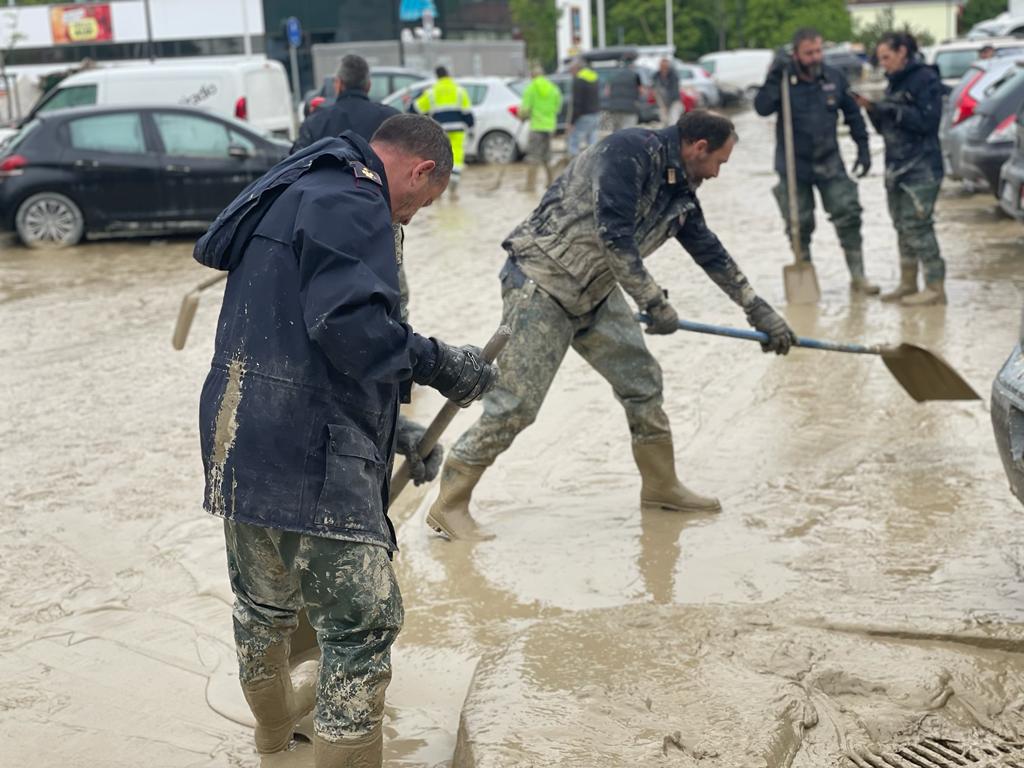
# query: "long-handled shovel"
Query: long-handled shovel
{"points": [[923, 374], [799, 278], [189, 305]]}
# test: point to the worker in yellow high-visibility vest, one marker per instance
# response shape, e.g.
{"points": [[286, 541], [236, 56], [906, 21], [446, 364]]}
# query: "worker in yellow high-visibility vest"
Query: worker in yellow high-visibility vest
{"points": [[448, 103]]}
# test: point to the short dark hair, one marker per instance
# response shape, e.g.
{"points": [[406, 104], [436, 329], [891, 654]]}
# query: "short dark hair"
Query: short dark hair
{"points": [[987, 47], [420, 136], [710, 126], [896, 40], [354, 72], [441, 71], [804, 33]]}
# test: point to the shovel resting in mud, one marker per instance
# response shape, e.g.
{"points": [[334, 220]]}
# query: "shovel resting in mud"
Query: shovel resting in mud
{"points": [[799, 278], [923, 374], [189, 305]]}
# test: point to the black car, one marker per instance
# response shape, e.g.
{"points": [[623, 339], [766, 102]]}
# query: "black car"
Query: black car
{"points": [[1011, 177], [92, 170], [993, 131], [1008, 416]]}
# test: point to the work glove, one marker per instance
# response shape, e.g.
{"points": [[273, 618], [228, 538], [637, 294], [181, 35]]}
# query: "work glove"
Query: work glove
{"points": [[664, 318], [421, 470], [767, 320], [779, 68], [863, 165], [459, 373]]}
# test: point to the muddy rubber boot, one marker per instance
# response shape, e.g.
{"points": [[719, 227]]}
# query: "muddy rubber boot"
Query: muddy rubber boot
{"points": [[280, 702], [367, 752], [449, 515], [863, 287], [661, 488], [531, 179], [907, 286], [933, 293]]}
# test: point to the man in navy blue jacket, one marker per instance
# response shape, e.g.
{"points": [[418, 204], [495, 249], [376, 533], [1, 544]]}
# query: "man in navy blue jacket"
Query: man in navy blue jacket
{"points": [[298, 421]]}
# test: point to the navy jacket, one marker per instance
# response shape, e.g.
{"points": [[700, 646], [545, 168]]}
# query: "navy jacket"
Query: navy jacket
{"points": [[908, 119], [297, 416], [353, 111], [816, 107]]}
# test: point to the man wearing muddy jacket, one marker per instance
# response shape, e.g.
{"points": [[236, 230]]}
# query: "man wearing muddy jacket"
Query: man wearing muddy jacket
{"points": [[818, 93], [298, 422], [562, 286]]}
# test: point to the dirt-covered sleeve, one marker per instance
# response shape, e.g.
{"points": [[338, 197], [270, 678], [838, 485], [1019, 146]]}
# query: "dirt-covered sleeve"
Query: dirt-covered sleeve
{"points": [[707, 250]]}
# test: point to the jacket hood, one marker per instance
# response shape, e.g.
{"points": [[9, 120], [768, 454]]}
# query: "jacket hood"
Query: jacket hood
{"points": [[224, 243]]}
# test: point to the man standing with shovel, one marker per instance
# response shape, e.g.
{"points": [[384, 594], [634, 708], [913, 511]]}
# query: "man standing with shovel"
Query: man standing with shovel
{"points": [[817, 94], [562, 286]]}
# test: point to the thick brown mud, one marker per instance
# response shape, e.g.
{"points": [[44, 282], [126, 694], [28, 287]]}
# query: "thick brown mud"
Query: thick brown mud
{"points": [[845, 503]]}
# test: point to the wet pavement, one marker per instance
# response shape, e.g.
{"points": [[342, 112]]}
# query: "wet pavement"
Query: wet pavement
{"points": [[844, 501]]}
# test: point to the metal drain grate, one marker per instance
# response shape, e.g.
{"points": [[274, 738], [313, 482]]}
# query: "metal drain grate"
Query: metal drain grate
{"points": [[943, 753]]}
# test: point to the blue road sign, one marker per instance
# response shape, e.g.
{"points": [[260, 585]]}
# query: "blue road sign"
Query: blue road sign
{"points": [[293, 31]]}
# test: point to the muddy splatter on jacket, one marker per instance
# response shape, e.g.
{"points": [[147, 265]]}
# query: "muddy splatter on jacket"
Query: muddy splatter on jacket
{"points": [[613, 206], [297, 416], [908, 119]]}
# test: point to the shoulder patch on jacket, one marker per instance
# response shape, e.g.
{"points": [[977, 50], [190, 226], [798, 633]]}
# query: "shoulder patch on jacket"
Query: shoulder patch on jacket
{"points": [[362, 172]]}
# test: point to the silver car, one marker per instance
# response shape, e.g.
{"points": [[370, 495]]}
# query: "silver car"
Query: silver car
{"points": [[696, 78], [497, 135]]}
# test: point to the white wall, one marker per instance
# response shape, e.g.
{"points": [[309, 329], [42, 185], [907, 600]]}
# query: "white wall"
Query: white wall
{"points": [[567, 46]]}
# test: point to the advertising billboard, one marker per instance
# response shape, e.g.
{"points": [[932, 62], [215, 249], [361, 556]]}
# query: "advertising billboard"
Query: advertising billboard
{"points": [[81, 23]]}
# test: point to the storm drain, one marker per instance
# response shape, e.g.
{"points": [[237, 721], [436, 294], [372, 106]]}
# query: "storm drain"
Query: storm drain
{"points": [[943, 753]]}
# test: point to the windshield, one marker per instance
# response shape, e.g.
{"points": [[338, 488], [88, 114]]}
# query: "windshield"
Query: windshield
{"points": [[11, 144], [70, 96], [953, 64], [709, 65]]}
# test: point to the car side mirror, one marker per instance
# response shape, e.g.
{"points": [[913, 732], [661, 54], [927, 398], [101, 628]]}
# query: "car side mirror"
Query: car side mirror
{"points": [[237, 150]]}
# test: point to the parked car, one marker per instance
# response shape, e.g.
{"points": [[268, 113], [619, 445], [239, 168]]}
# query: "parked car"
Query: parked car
{"points": [[954, 58], [993, 132], [1002, 25], [847, 61], [1011, 176], [497, 136], [692, 77], [254, 90], [82, 171], [1007, 411], [606, 61], [738, 74], [959, 108], [383, 82]]}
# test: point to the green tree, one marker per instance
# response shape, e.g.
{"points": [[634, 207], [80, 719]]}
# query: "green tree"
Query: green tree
{"points": [[771, 23], [538, 22], [885, 22], [980, 10], [699, 26]]}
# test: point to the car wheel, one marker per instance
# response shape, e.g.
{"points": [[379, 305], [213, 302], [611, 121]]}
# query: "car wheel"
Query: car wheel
{"points": [[497, 147], [49, 220]]}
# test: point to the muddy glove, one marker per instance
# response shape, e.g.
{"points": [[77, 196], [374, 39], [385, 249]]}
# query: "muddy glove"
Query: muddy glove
{"points": [[863, 165], [767, 320], [780, 66], [458, 373], [664, 318], [408, 444]]}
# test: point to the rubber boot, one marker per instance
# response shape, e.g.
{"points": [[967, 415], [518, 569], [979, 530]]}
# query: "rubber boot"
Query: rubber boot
{"points": [[864, 287], [280, 702], [907, 286], [531, 179], [367, 752], [449, 515], [661, 488], [933, 293]]}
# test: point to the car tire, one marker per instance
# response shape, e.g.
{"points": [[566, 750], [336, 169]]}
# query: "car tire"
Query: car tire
{"points": [[49, 220], [497, 147]]}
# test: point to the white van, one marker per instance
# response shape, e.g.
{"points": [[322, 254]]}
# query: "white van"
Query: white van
{"points": [[253, 89], [738, 73]]}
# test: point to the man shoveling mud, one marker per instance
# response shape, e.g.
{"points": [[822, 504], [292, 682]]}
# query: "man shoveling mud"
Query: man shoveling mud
{"points": [[562, 286], [298, 421]]}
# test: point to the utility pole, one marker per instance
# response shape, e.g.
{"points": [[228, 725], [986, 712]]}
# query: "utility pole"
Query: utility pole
{"points": [[669, 31], [600, 24], [246, 40], [149, 32]]}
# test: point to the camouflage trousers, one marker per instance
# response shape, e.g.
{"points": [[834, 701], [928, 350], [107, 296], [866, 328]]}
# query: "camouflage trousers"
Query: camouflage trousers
{"points": [[351, 596], [542, 332], [842, 204], [911, 206]]}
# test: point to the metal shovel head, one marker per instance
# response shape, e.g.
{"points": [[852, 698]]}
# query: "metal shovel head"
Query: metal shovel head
{"points": [[925, 375], [801, 282], [189, 305]]}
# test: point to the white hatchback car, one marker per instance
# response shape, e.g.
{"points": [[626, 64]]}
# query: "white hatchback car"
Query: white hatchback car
{"points": [[497, 136]]}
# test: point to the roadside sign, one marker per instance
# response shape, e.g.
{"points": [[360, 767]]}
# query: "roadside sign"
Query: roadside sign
{"points": [[293, 31]]}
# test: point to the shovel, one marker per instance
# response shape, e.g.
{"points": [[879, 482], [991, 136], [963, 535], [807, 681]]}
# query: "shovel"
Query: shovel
{"points": [[923, 374], [799, 278], [189, 305]]}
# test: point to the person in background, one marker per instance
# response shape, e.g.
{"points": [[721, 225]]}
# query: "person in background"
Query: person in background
{"points": [[622, 93], [448, 103], [666, 91], [540, 105], [986, 52], [585, 110]]}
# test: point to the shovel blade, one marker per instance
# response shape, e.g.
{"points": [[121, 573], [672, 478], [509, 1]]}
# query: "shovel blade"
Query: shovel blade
{"points": [[801, 283], [189, 304], [926, 376]]}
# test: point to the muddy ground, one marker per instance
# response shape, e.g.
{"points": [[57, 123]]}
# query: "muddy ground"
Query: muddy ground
{"points": [[844, 500]]}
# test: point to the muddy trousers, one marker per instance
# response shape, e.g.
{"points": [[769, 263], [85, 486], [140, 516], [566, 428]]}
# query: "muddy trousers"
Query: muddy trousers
{"points": [[911, 207], [841, 201], [351, 596], [542, 332]]}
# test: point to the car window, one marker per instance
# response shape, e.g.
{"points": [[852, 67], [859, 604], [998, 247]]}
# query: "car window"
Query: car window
{"points": [[117, 132], [192, 136], [72, 96], [709, 65], [401, 81], [239, 140], [685, 73], [477, 93], [380, 87], [953, 64]]}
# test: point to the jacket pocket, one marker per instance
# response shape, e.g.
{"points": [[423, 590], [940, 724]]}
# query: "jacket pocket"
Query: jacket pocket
{"points": [[351, 499]]}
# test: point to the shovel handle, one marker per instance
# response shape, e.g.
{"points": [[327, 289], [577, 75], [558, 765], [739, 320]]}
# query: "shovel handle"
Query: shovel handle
{"points": [[448, 412], [750, 335]]}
